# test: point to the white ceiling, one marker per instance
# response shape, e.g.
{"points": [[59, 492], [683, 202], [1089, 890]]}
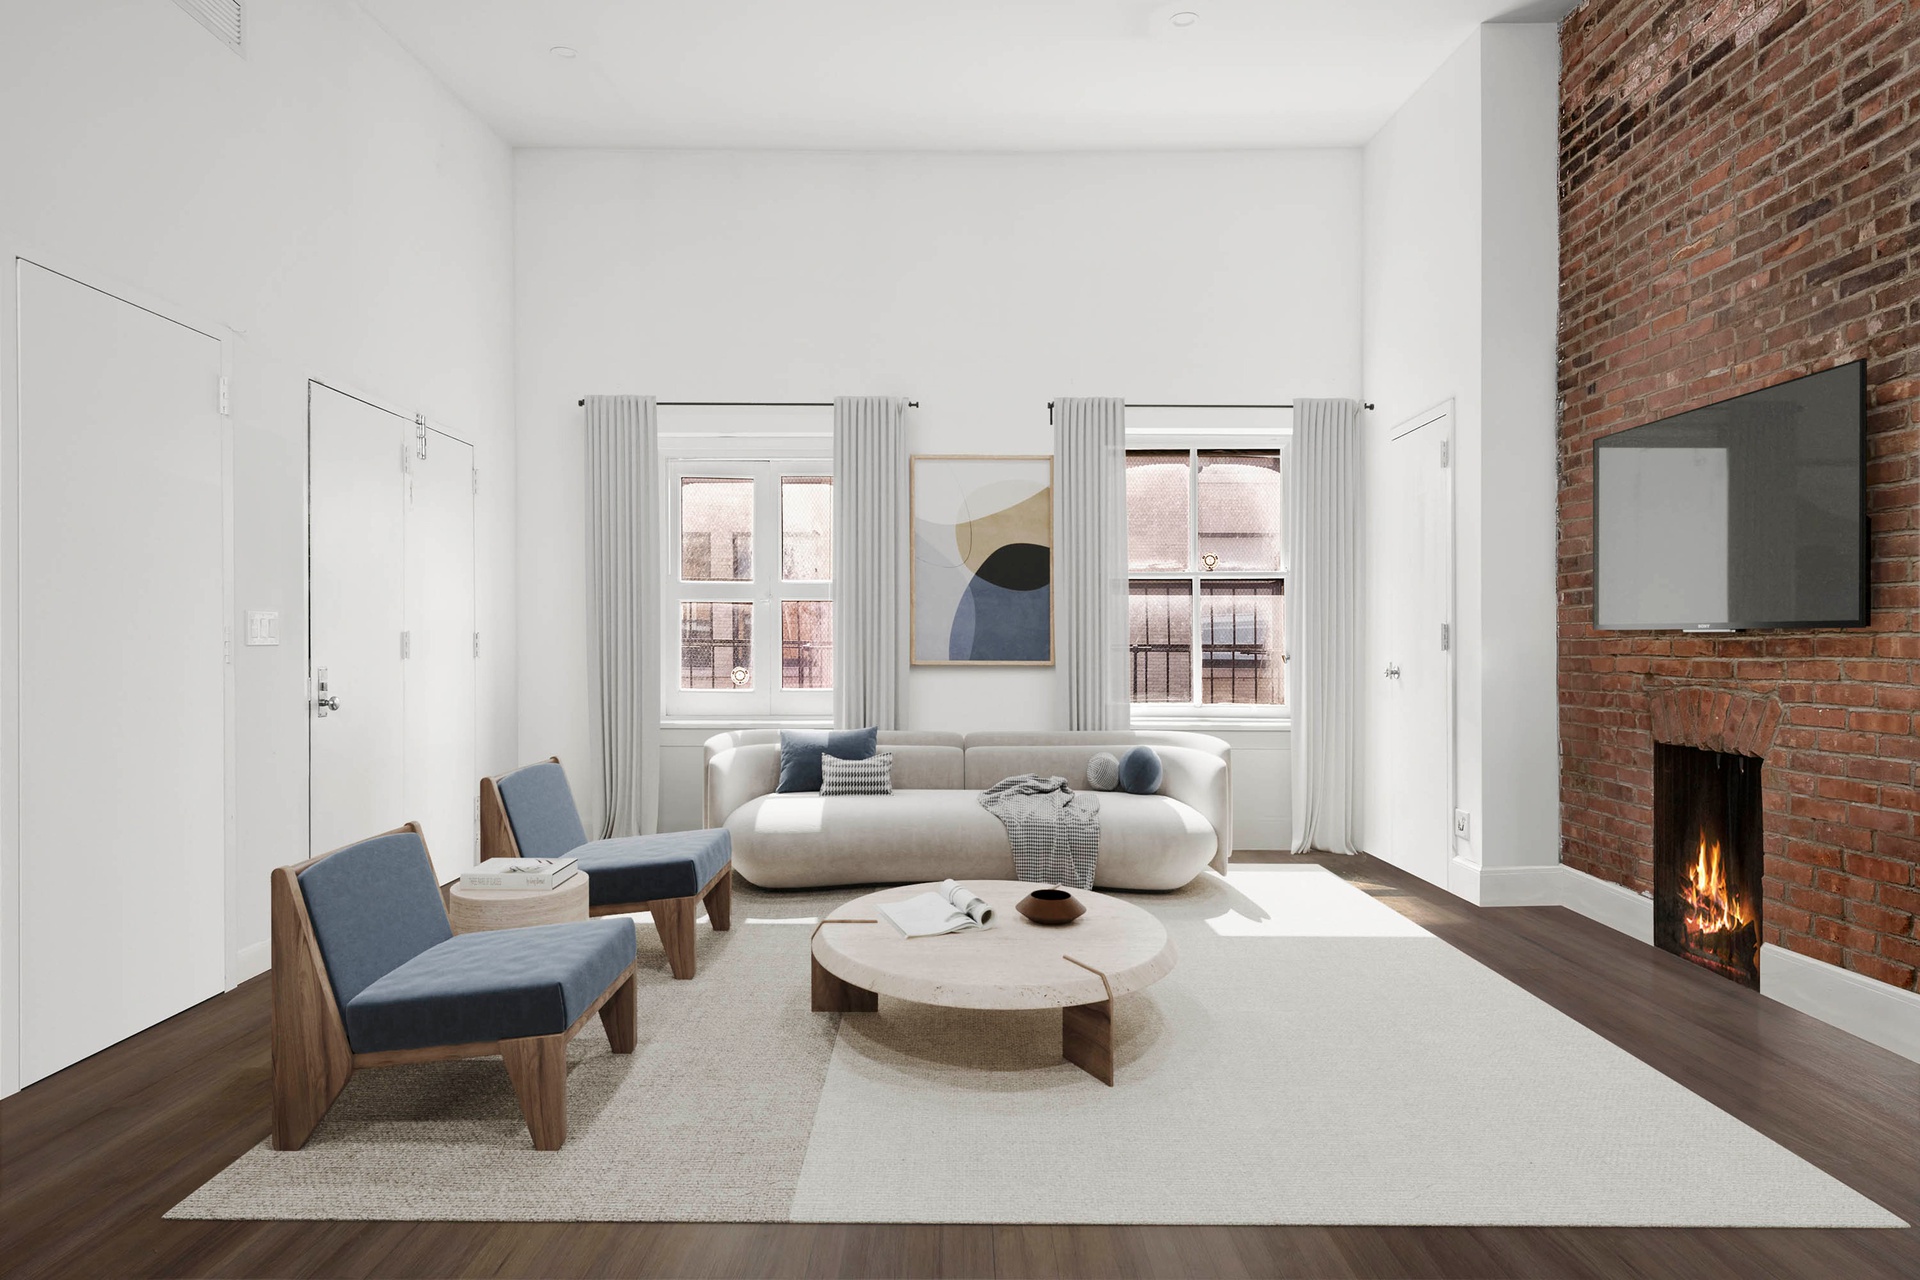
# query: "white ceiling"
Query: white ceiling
{"points": [[939, 74]]}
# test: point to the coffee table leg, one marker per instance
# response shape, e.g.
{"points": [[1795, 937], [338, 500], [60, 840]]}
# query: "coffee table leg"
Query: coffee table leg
{"points": [[835, 995], [1086, 1038]]}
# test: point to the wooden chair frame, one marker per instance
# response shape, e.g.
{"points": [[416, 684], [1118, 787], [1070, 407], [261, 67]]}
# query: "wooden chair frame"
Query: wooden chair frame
{"points": [[312, 1059], [673, 917]]}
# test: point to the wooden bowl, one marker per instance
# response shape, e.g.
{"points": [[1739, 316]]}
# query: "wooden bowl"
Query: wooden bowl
{"points": [[1051, 906]]}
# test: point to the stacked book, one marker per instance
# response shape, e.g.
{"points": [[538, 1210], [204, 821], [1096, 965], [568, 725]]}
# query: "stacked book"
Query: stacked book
{"points": [[520, 873]]}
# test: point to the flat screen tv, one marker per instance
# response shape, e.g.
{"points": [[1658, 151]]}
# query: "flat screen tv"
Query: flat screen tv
{"points": [[1746, 514]]}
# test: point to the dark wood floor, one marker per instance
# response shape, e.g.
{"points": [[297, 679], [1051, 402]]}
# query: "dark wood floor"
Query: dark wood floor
{"points": [[91, 1158]]}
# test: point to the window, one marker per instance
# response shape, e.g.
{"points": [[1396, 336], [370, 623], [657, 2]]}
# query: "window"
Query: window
{"points": [[749, 614], [1207, 581]]}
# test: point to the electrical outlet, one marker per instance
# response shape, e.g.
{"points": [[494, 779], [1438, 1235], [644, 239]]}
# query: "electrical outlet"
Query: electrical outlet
{"points": [[1462, 823]]}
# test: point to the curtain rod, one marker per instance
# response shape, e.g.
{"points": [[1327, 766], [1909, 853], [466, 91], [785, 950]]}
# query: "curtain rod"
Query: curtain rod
{"points": [[1131, 405], [754, 404]]}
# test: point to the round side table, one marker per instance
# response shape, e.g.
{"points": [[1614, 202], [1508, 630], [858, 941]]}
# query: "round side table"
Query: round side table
{"points": [[474, 910]]}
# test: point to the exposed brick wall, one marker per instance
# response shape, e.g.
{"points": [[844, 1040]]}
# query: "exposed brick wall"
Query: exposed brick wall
{"points": [[1738, 206]]}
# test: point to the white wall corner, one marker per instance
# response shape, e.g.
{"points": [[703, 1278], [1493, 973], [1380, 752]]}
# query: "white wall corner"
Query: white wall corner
{"points": [[251, 961], [1613, 905], [1858, 1005]]}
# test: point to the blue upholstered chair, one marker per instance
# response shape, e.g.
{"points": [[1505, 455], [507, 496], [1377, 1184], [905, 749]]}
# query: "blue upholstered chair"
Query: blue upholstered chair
{"points": [[530, 813], [367, 972]]}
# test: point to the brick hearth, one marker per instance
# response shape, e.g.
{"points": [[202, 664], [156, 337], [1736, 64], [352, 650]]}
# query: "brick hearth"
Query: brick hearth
{"points": [[1738, 207]]}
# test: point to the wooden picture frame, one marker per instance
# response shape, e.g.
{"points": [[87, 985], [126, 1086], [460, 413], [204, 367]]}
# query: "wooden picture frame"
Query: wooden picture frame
{"points": [[1002, 622]]}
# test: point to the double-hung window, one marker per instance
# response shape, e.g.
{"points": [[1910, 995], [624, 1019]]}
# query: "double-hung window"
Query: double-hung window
{"points": [[749, 609], [1207, 579]]}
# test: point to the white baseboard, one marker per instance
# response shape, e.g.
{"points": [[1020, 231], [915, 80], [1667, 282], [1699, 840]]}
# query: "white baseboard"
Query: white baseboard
{"points": [[1463, 879], [1513, 886], [252, 961], [1613, 905], [1862, 1006], [1858, 1005]]}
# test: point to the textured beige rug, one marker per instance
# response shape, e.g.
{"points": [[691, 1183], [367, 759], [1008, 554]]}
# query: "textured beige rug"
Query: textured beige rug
{"points": [[1314, 1058]]}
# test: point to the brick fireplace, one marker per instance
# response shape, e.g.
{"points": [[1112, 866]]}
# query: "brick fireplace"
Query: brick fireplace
{"points": [[1739, 206], [1709, 830]]}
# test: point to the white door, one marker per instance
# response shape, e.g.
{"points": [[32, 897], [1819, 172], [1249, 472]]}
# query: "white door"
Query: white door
{"points": [[123, 693], [442, 787], [1419, 674], [357, 611]]}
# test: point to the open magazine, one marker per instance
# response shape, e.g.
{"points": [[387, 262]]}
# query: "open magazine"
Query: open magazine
{"points": [[949, 909]]}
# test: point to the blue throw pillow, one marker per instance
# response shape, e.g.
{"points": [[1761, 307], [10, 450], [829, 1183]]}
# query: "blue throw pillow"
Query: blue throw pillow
{"points": [[801, 749], [1140, 771]]}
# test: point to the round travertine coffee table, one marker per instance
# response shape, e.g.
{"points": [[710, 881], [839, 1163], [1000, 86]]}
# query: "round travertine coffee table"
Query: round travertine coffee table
{"points": [[1079, 968]]}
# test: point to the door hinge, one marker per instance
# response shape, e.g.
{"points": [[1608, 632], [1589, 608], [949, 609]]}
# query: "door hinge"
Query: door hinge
{"points": [[226, 643], [223, 394], [406, 644], [420, 434], [476, 479], [476, 644], [1446, 452], [1446, 636]]}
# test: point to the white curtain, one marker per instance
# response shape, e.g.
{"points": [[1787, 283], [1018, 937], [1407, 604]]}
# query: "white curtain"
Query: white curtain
{"points": [[1323, 623], [1090, 560], [623, 602], [869, 485]]}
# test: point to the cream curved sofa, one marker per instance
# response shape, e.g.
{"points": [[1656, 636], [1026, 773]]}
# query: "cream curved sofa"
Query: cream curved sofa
{"points": [[933, 826]]}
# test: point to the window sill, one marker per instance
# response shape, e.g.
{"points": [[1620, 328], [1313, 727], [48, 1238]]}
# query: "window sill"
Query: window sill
{"points": [[1214, 724], [720, 724]]}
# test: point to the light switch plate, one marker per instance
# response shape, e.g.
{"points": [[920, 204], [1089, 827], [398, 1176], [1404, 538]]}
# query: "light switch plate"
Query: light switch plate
{"points": [[263, 626], [1462, 823]]}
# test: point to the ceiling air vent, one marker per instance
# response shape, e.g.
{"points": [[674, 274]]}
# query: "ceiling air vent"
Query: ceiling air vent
{"points": [[227, 19]]}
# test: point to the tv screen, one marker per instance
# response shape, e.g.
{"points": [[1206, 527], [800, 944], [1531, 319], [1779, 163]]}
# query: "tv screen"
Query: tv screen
{"points": [[1744, 514]]}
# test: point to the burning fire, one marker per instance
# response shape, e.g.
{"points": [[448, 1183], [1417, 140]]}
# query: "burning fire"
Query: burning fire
{"points": [[1714, 908]]}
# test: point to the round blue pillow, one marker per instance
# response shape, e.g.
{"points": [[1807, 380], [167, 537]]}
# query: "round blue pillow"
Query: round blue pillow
{"points": [[1140, 771]]}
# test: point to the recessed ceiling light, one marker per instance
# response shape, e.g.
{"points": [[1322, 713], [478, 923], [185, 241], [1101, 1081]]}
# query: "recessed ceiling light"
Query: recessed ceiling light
{"points": [[564, 51], [1184, 18]]}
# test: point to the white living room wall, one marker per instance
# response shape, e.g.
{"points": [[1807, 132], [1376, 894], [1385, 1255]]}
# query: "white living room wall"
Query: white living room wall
{"points": [[329, 202], [1461, 287], [981, 285]]}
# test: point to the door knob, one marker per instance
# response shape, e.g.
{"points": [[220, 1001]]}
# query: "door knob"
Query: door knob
{"points": [[328, 704], [1393, 671]]}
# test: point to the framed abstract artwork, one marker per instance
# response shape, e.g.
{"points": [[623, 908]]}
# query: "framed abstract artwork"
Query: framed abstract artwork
{"points": [[982, 559]]}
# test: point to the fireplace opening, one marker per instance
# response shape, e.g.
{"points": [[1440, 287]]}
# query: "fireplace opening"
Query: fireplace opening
{"points": [[1707, 855]]}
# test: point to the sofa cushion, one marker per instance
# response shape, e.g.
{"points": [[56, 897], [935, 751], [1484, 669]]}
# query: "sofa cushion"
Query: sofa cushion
{"points": [[795, 841], [374, 905], [539, 803], [499, 985], [801, 749], [673, 864], [1140, 771], [870, 777]]}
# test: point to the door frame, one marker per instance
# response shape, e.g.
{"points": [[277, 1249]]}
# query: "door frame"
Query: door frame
{"points": [[341, 386], [1443, 412], [235, 969]]}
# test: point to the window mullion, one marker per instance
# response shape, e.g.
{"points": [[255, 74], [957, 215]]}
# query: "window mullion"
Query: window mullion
{"points": [[766, 584], [1195, 668]]}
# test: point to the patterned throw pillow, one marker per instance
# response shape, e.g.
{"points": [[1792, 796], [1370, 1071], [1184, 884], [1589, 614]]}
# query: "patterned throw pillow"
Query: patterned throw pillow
{"points": [[870, 777], [1103, 772]]}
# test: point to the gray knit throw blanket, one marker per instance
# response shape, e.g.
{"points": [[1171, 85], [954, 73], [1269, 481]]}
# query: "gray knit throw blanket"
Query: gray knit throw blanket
{"points": [[1055, 833]]}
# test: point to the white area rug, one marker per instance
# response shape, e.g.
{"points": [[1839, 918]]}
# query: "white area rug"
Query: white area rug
{"points": [[1315, 1057]]}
